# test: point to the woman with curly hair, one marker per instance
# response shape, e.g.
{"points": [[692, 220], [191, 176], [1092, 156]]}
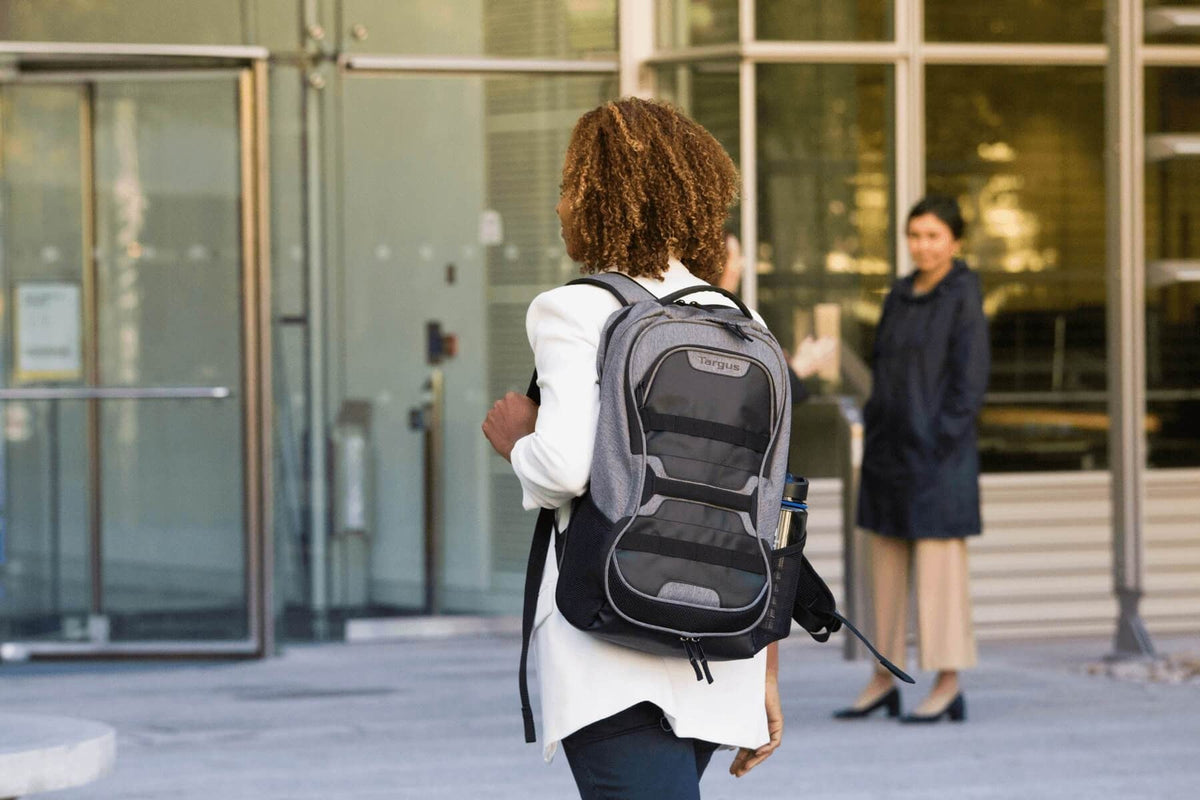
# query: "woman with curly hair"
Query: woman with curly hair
{"points": [[645, 192]]}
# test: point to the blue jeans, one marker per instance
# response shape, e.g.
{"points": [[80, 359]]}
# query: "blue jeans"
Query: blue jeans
{"points": [[633, 755]]}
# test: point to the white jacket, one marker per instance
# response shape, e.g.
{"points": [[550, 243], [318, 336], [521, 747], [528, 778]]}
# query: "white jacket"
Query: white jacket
{"points": [[584, 679]]}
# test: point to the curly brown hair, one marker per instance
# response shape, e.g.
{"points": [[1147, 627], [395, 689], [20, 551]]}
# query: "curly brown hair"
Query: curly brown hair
{"points": [[642, 182]]}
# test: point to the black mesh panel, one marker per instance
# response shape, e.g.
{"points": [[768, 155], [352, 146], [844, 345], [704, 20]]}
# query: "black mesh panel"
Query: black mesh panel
{"points": [[580, 591]]}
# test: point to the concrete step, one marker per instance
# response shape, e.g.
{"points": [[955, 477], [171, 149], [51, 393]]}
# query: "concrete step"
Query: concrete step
{"points": [[44, 754]]}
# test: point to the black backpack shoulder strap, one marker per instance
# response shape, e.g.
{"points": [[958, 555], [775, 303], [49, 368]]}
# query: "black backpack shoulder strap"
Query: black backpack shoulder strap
{"points": [[615, 283], [538, 551], [534, 392], [544, 530], [539, 547]]}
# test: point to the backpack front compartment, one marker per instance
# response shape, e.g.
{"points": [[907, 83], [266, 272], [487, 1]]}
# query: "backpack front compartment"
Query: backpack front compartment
{"points": [[690, 563]]}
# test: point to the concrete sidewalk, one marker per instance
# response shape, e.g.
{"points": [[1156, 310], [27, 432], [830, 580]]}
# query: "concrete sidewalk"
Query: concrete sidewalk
{"points": [[440, 719]]}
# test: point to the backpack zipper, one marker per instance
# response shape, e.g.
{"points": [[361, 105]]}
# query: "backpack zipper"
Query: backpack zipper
{"points": [[736, 330], [696, 657]]}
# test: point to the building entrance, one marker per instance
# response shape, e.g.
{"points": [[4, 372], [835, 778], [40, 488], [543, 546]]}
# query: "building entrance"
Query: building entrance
{"points": [[131, 278]]}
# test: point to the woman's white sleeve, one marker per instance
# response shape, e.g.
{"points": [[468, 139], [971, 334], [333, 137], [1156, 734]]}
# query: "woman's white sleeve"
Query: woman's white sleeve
{"points": [[554, 462]]}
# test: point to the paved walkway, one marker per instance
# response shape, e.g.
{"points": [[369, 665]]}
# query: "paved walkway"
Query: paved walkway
{"points": [[439, 719]]}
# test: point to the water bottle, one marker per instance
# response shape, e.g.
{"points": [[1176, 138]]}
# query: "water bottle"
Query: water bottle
{"points": [[793, 513]]}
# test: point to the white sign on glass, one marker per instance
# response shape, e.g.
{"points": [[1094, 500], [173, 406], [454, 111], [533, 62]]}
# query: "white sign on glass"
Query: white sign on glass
{"points": [[48, 331]]}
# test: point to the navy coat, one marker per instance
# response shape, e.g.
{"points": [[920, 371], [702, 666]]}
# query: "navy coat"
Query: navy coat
{"points": [[920, 471]]}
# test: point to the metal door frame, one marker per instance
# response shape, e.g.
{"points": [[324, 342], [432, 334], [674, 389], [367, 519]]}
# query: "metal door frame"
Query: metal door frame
{"points": [[86, 65]]}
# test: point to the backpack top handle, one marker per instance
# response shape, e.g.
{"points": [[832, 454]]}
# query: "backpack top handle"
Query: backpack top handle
{"points": [[675, 297], [609, 286]]}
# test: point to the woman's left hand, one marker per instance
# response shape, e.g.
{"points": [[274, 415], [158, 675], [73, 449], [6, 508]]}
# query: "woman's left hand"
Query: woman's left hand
{"points": [[748, 759], [511, 417], [813, 355]]}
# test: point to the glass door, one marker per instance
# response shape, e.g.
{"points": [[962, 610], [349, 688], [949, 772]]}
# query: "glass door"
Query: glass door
{"points": [[130, 485], [45, 553]]}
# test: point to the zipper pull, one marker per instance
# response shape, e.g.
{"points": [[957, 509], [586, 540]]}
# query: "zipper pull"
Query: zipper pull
{"points": [[703, 661], [687, 646], [737, 331]]}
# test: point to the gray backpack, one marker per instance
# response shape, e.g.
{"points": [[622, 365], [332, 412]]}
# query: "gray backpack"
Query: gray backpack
{"points": [[669, 552]]}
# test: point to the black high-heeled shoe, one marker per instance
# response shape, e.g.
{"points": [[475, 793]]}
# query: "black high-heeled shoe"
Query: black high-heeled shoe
{"points": [[889, 700], [956, 710]]}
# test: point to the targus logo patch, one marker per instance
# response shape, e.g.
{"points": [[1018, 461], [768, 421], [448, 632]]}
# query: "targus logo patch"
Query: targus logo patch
{"points": [[718, 365]]}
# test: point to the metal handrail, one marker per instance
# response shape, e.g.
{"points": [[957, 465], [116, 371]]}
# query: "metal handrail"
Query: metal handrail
{"points": [[106, 50], [118, 393], [855, 601], [366, 63]]}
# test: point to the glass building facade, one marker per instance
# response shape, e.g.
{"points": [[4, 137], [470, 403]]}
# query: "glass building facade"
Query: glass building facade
{"points": [[287, 247]]}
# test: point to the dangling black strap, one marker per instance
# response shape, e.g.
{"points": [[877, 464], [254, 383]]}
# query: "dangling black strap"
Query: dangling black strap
{"points": [[816, 611], [892, 668], [543, 532], [539, 547], [538, 550]]}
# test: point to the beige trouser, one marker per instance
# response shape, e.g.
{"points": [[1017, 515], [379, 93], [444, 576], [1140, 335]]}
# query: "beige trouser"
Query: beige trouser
{"points": [[945, 631]]}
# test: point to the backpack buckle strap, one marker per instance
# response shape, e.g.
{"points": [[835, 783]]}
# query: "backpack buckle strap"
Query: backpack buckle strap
{"points": [[702, 493], [705, 429]]}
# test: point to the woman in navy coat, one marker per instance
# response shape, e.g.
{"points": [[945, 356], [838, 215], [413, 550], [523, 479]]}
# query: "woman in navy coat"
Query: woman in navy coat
{"points": [[919, 496]]}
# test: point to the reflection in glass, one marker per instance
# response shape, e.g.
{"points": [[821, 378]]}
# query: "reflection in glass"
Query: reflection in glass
{"points": [[464, 234], [45, 576], [168, 288], [523, 161], [506, 28], [1015, 21], [820, 20], [691, 23], [1159, 28], [289, 351], [213, 22], [1172, 305], [825, 209], [708, 93], [1021, 148], [155, 166], [525, 130]]}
